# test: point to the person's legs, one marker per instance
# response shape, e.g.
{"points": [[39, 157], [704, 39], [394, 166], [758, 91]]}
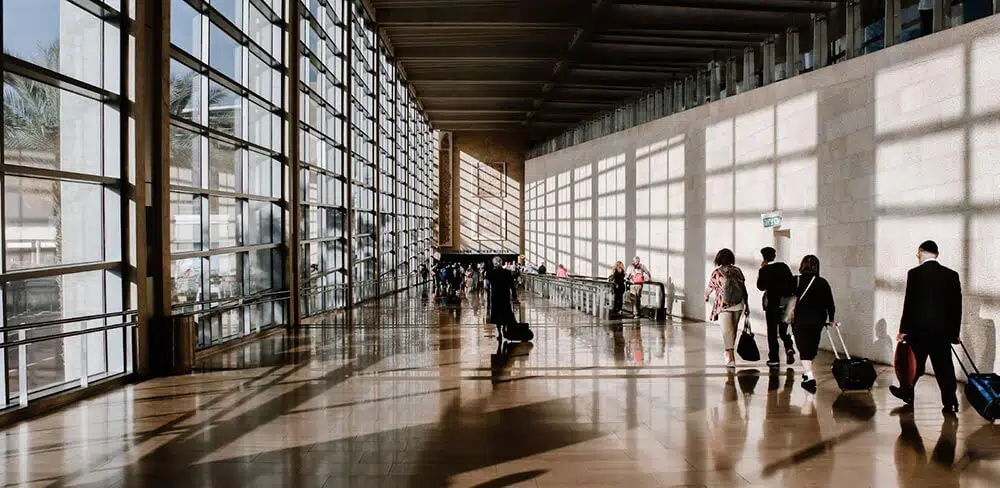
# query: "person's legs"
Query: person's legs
{"points": [[926, 22], [773, 319], [727, 320], [944, 372], [786, 337]]}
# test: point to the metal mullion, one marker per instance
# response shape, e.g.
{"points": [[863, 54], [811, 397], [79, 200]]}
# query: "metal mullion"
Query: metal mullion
{"points": [[56, 79], [216, 134], [59, 175], [50, 271]]}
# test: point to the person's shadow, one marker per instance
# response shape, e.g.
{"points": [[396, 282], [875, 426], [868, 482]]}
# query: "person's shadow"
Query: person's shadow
{"points": [[979, 335], [884, 344], [913, 467], [508, 355]]}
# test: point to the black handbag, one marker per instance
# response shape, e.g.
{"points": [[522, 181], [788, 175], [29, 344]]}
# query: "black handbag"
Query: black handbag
{"points": [[747, 346]]}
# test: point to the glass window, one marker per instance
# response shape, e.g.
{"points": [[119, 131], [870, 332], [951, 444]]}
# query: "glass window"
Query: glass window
{"points": [[260, 271], [223, 166], [261, 219], [46, 127], [224, 53], [185, 92], [225, 110], [185, 222], [50, 222], [185, 27], [230, 9], [57, 35], [223, 222], [185, 157], [185, 275]]}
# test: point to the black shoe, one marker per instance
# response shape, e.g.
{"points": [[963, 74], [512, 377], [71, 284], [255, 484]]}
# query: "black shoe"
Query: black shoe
{"points": [[809, 385], [902, 394], [790, 356], [950, 411]]}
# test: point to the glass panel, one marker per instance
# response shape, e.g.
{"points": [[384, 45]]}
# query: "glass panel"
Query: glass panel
{"points": [[223, 164], [224, 278], [224, 53], [225, 112], [185, 92], [46, 127], [185, 157], [185, 222], [260, 222], [38, 230], [223, 219], [55, 34], [185, 275], [185, 27], [260, 271]]}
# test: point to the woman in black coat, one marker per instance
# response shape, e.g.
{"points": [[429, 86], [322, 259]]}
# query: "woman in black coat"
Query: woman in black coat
{"points": [[501, 294], [814, 310]]}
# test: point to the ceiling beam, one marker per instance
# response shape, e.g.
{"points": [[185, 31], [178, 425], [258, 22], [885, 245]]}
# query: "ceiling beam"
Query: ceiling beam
{"points": [[783, 6], [489, 17], [595, 17], [497, 52]]}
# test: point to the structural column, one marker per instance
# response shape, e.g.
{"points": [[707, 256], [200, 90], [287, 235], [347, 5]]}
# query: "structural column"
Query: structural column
{"points": [[293, 270], [853, 20], [152, 118], [892, 22], [715, 80], [731, 74], [689, 92], [821, 47], [941, 10], [749, 69], [792, 66], [768, 69], [700, 85], [678, 96]]}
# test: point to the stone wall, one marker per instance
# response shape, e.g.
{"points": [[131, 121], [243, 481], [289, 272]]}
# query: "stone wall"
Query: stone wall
{"points": [[865, 159]]}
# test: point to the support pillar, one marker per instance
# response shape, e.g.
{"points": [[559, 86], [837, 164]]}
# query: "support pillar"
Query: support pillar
{"points": [[749, 69], [700, 86], [793, 64], [821, 46], [941, 10], [689, 92], [715, 80], [678, 94], [853, 20], [293, 200], [768, 58], [731, 76], [892, 22]]}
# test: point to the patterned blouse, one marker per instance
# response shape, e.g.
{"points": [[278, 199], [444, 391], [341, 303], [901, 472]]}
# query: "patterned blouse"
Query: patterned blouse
{"points": [[715, 284]]}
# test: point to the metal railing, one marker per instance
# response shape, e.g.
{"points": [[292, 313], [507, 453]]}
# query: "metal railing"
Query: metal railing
{"points": [[595, 295]]}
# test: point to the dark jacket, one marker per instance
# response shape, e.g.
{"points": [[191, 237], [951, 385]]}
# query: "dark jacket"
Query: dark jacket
{"points": [[816, 306], [777, 282], [932, 307], [501, 292]]}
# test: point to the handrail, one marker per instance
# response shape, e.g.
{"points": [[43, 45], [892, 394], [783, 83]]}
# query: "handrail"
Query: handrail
{"points": [[68, 320], [238, 302], [657, 289], [72, 333], [228, 299]]}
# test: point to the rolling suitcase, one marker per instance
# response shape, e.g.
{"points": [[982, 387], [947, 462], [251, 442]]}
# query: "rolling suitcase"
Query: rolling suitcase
{"points": [[982, 390], [518, 331], [852, 374]]}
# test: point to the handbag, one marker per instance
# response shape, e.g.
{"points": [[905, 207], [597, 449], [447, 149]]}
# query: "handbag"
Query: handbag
{"points": [[793, 301], [747, 346]]}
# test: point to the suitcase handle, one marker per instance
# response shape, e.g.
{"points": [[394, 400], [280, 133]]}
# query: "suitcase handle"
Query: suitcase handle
{"points": [[967, 355], [833, 344]]}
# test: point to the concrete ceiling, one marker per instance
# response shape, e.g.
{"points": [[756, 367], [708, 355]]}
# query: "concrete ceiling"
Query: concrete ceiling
{"points": [[542, 66]]}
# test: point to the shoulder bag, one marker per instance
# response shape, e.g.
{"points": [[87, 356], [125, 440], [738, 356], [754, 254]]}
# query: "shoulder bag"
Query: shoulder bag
{"points": [[793, 301]]}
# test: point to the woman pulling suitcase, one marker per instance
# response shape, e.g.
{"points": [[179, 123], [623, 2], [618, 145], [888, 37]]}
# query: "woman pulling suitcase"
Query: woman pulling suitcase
{"points": [[812, 311]]}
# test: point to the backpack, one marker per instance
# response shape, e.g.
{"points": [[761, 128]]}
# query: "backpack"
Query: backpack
{"points": [[639, 277], [734, 289]]}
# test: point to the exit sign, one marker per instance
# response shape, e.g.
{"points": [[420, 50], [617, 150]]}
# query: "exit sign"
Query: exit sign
{"points": [[771, 220]]}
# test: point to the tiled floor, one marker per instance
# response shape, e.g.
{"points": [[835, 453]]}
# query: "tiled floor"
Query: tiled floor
{"points": [[409, 394]]}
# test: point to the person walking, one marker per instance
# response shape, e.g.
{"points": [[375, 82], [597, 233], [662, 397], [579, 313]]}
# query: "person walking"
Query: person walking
{"points": [[775, 279], [562, 272], [932, 322], [814, 310], [637, 274], [617, 280], [729, 286]]}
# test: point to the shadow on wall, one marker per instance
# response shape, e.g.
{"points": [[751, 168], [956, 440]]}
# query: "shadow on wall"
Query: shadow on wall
{"points": [[864, 160]]}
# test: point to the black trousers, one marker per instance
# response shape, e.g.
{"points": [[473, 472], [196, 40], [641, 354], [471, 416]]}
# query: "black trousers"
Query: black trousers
{"points": [[776, 329], [619, 298], [926, 22], [939, 352]]}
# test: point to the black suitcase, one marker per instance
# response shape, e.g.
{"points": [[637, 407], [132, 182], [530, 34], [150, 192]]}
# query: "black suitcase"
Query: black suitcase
{"points": [[852, 374], [982, 390]]}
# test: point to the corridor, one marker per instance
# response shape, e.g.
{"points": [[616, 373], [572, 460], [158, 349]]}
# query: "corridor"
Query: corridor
{"points": [[406, 393]]}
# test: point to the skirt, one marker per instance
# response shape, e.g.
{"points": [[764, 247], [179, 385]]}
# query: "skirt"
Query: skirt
{"points": [[807, 337]]}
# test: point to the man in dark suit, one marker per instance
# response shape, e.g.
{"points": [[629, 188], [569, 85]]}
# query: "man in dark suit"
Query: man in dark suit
{"points": [[776, 281], [932, 322]]}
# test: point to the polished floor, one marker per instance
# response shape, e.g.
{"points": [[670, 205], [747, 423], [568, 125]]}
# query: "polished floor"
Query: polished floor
{"points": [[405, 393]]}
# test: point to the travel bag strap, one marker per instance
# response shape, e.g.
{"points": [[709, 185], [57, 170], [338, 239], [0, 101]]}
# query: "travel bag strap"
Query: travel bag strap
{"points": [[967, 355]]}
